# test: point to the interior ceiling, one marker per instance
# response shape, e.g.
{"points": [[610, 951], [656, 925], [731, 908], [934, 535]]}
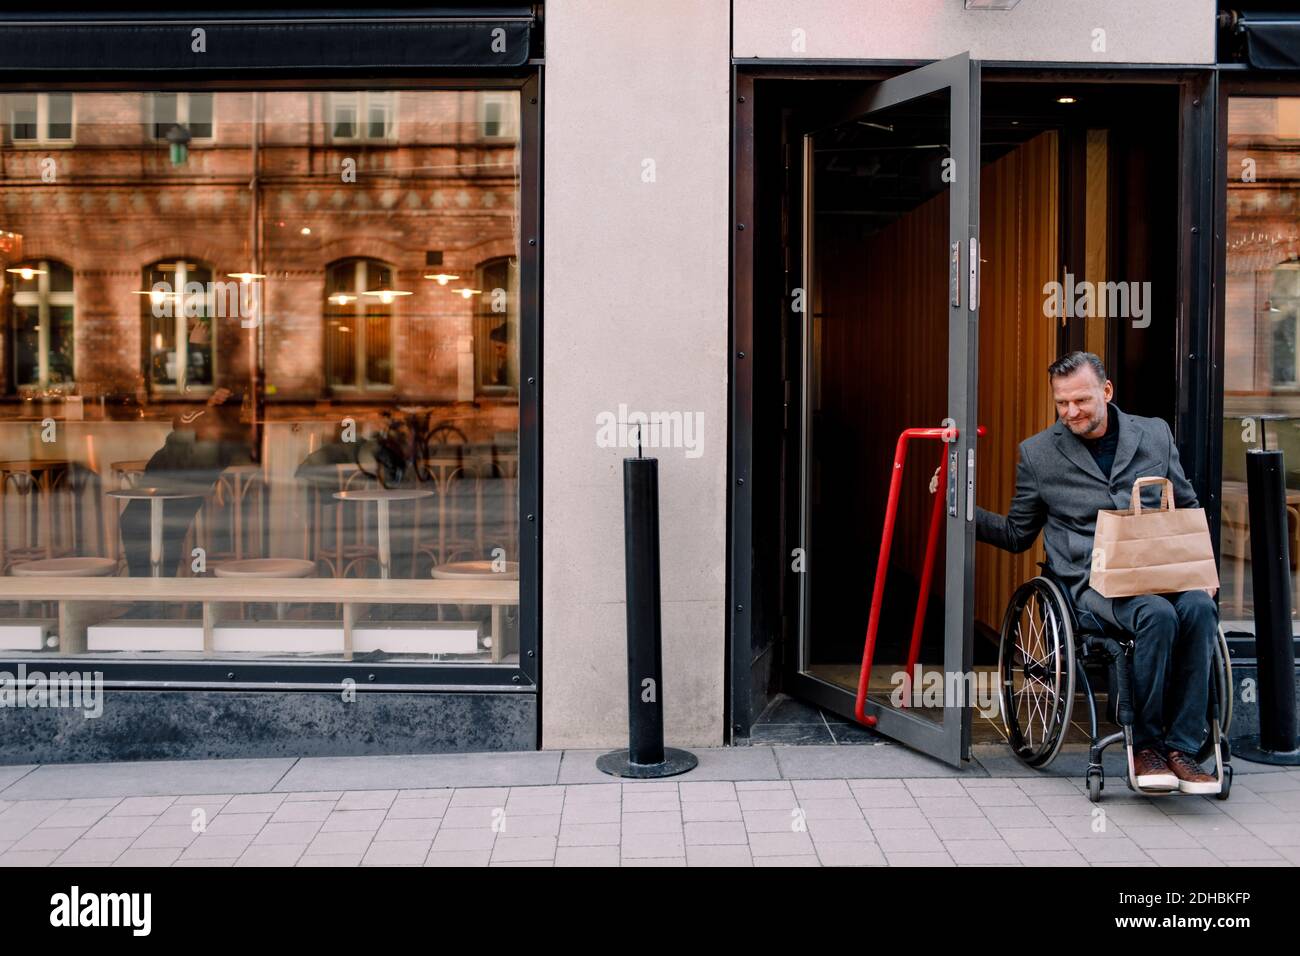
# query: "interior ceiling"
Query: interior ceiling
{"points": [[879, 167]]}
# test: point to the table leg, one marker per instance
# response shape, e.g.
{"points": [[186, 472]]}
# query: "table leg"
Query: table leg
{"points": [[385, 546], [498, 634], [156, 536]]}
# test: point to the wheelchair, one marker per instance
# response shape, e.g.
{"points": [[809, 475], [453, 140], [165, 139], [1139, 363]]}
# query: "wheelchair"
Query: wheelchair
{"points": [[1045, 656]]}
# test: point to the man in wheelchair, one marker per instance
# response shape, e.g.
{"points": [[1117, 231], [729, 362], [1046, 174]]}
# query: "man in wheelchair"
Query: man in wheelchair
{"points": [[1086, 462]]}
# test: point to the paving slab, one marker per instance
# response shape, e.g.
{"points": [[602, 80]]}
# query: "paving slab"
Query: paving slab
{"points": [[423, 771], [145, 778]]}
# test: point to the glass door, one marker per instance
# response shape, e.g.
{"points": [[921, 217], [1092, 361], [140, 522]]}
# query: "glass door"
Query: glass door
{"points": [[886, 325]]}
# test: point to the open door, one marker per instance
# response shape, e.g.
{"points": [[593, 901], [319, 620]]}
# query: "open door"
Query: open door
{"points": [[884, 337]]}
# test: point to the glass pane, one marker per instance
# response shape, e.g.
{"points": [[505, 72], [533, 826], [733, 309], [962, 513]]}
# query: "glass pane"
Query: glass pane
{"points": [[164, 114], [27, 348], [280, 374], [60, 276], [22, 109], [61, 345], [878, 347], [1261, 399], [60, 119], [201, 115]]}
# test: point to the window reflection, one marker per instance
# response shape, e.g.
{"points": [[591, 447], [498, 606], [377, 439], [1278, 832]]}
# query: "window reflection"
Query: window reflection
{"points": [[1262, 296], [283, 366]]}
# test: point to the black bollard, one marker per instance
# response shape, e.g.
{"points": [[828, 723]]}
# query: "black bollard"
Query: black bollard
{"points": [[646, 755], [1270, 559]]}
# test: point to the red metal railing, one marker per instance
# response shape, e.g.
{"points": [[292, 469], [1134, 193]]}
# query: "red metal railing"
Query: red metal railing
{"points": [[882, 565]]}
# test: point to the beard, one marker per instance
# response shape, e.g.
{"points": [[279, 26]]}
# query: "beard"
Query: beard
{"points": [[1087, 428]]}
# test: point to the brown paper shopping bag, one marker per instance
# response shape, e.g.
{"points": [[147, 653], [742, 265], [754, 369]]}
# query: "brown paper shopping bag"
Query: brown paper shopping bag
{"points": [[1152, 552]]}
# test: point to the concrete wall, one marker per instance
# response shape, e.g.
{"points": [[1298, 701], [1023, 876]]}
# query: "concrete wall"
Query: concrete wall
{"points": [[1136, 31], [635, 307]]}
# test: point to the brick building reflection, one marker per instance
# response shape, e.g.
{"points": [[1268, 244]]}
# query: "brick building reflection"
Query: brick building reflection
{"points": [[259, 269]]}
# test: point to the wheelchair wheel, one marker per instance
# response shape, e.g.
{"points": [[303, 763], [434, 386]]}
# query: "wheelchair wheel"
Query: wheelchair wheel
{"points": [[1036, 671], [1220, 698]]}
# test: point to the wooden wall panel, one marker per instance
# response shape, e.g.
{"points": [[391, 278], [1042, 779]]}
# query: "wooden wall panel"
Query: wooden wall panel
{"points": [[1018, 236], [881, 333]]}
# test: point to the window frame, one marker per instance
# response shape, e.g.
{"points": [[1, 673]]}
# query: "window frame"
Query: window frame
{"points": [[182, 116], [181, 388], [361, 354], [481, 313], [362, 99], [43, 300], [43, 139], [523, 676]]}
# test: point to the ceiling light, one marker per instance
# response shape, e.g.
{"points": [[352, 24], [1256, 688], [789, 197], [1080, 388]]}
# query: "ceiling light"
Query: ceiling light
{"points": [[26, 273], [442, 278], [1066, 99], [466, 293], [386, 296], [245, 276]]}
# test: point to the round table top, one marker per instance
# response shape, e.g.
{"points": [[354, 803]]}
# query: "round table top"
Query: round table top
{"points": [[383, 494], [150, 493], [476, 569], [1261, 416], [76, 567], [266, 568]]}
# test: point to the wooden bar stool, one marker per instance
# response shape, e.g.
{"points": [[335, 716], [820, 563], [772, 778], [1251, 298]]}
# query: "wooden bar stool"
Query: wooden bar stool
{"points": [[40, 480], [268, 568], [75, 567]]}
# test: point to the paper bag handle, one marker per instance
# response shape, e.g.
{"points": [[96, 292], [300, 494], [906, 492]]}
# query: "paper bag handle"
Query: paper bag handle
{"points": [[1166, 496]]}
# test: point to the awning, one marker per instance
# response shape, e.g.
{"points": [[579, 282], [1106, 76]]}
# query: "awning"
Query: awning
{"points": [[480, 37], [1272, 40]]}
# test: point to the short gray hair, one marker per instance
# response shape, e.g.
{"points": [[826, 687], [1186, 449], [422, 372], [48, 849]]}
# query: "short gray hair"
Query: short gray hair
{"points": [[1071, 362]]}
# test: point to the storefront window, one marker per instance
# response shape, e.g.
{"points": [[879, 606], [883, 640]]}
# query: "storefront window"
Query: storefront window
{"points": [[293, 431], [1261, 401]]}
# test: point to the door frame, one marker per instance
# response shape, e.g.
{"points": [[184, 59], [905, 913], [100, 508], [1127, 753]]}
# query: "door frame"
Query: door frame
{"points": [[958, 76], [1198, 420]]}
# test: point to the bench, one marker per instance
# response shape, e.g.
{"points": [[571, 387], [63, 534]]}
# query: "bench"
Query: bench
{"points": [[86, 601]]}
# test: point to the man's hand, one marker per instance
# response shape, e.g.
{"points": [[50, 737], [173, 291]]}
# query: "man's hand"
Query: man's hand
{"points": [[1210, 591]]}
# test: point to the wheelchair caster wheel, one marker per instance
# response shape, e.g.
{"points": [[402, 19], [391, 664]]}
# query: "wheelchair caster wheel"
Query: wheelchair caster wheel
{"points": [[1227, 784], [1095, 785]]}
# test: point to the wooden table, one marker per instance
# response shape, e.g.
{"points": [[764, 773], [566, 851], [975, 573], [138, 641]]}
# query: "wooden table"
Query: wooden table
{"points": [[382, 497]]}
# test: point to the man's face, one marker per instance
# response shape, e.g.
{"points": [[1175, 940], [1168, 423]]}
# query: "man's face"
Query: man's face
{"points": [[1081, 402]]}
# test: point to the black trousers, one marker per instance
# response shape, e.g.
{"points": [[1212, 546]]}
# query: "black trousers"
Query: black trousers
{"points": [[1173, 651]]}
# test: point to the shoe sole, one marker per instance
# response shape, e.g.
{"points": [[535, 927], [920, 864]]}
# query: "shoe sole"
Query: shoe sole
{"points": [[1191, 786], [1158, 782]]}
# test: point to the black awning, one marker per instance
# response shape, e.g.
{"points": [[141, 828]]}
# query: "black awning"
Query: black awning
{"points": [[481, 37], [1272, 40]]}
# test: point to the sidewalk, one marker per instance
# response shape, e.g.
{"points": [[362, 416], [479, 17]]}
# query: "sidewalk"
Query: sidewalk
{"points": [[874, 804]]}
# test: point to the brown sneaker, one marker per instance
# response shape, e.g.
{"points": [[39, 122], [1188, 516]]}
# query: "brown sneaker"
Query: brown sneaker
{"points": [[1152, 772], [1191, 778]]}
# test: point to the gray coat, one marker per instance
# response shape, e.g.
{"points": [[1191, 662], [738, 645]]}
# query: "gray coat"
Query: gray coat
{"points": [[1060, 489]]}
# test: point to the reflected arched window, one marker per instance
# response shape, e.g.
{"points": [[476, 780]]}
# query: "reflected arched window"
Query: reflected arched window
{"points": [[180, 336], [41, 326], [359, 303], [496, 352]]}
